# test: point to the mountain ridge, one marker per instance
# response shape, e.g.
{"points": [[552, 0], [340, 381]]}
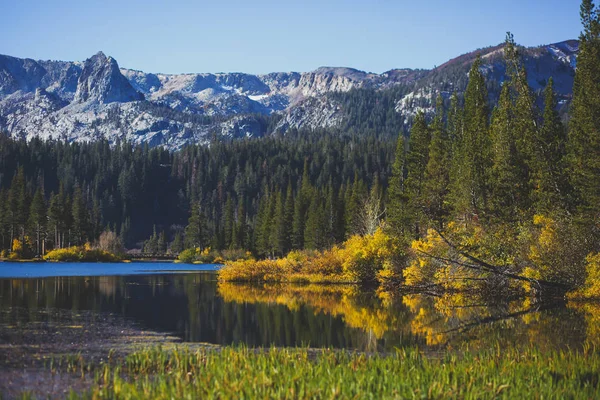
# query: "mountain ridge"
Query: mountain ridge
{"points": [[98, 99]]}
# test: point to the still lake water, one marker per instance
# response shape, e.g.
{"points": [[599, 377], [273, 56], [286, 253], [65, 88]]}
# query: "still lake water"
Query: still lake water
{"points": [[192, 305]]}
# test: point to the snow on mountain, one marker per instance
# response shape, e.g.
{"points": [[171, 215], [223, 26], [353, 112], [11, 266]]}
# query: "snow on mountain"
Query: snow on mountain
{"points": [[84, 101]]}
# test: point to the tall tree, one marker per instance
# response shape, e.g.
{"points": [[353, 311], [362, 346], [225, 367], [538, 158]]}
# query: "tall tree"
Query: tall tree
{"points": [[397, 213], [417, 158], [196, 231], [437, 171], [470, 191], [584, 126], [37, 221], [551, 181]]}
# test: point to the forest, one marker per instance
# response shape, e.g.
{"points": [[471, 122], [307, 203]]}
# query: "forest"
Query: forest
{"points": [[478, 195]]}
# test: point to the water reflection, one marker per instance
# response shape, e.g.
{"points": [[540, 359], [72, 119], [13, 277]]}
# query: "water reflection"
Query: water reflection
{"points": [[199, 309]]}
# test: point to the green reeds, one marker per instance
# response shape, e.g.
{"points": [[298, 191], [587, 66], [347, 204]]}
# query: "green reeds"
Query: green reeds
{"points": [[239, 372]]}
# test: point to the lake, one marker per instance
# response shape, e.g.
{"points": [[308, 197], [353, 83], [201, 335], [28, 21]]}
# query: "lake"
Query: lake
{"points": [[188, 302]]}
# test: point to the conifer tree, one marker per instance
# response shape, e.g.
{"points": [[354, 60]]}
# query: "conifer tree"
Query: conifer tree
{"points": [[228, 223], [277, 228], [506, 181], [437, 171], [288, 222], [162, 243], [551, 181], [37, 221], [397, 213], [301, 207], [196, 231], [80, 218], [584, 126], [417, 158], [177, 244], [240, 226], [470, 190]]}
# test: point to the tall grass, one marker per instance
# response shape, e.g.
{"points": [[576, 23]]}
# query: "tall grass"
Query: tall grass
{"points": [[243, 373]]}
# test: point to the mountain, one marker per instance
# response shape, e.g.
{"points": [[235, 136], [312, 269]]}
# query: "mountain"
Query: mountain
{"points": [[84, 101]]}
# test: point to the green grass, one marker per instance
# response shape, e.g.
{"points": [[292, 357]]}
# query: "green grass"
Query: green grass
{"points": [[241, 373]]}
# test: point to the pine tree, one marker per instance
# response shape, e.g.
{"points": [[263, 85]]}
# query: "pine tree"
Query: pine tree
{"points": [[80, 218], [437, 171], [195, 231], [151, 245], [177, 244], [469, 188], [301, 207], [37, 221], [161, 243], [507, 183], [278, 228], [551, 181], [397, 214], [288, 219], [228, 223], [584, 126], [417, 158], [125, 232], [240, 226]]}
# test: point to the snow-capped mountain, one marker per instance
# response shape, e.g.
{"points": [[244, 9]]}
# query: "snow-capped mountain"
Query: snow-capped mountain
{"points": [[97, 99]]}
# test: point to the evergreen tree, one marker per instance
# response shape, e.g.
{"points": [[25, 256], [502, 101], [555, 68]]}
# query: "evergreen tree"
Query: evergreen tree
{"points": [[278, 228], [177, 244], [417, 158], [551, 181], [397, 213], [301, 207], [37, 222], [161, 243], [228, 223], [288, 222], [80, 218], [437, 171], [241, 230], [584, 126], [469, 188], [195, 231], [506, 181]]}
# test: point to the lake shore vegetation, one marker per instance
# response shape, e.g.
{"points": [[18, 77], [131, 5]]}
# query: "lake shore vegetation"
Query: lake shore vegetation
{"points": [[235, 372]]}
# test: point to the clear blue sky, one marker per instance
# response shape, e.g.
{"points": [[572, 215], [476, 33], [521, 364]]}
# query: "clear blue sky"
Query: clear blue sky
{"points": [[259, 36]]}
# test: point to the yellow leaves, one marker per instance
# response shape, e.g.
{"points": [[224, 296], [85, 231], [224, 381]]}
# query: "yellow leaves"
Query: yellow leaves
{"points": [[423, 268], [82, 253], [530, 273], [591, 287], [360, 258], [546, 241]]}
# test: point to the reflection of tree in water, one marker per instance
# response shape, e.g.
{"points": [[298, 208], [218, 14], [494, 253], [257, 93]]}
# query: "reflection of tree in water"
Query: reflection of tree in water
{"points": [[454, 320], [194, 307]]}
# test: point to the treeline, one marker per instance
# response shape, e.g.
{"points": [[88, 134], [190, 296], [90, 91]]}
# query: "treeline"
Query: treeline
{"points": [[489, 196], [55, 194], [499, 165]]}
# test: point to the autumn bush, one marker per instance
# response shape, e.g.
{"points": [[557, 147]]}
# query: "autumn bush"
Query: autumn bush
{"points": [[359, 259], [81, 254], [208, 255]]}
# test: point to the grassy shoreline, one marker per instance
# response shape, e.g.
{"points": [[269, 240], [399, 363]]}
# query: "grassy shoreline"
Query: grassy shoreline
{"points": [[240, 372]]}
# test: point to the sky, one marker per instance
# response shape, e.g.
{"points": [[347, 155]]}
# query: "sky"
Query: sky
{"points": [[262, 36]]}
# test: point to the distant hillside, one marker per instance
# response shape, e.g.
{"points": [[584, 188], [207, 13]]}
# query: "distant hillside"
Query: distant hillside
{"points": [[84, 101]]}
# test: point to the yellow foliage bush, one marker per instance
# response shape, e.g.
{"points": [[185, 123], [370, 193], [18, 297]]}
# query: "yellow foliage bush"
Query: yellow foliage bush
{"points": [[81, 254], [591, 287], [556, 252], [423, 268], [359, 259]]}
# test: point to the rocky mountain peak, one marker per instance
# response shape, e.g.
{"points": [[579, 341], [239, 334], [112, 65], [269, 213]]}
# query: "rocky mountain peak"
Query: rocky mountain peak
{"points": [[101, 81]]}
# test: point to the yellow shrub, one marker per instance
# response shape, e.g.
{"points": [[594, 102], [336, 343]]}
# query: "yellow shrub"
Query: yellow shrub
{"points": [[591, 287], [83, 253], [423, 268]]}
